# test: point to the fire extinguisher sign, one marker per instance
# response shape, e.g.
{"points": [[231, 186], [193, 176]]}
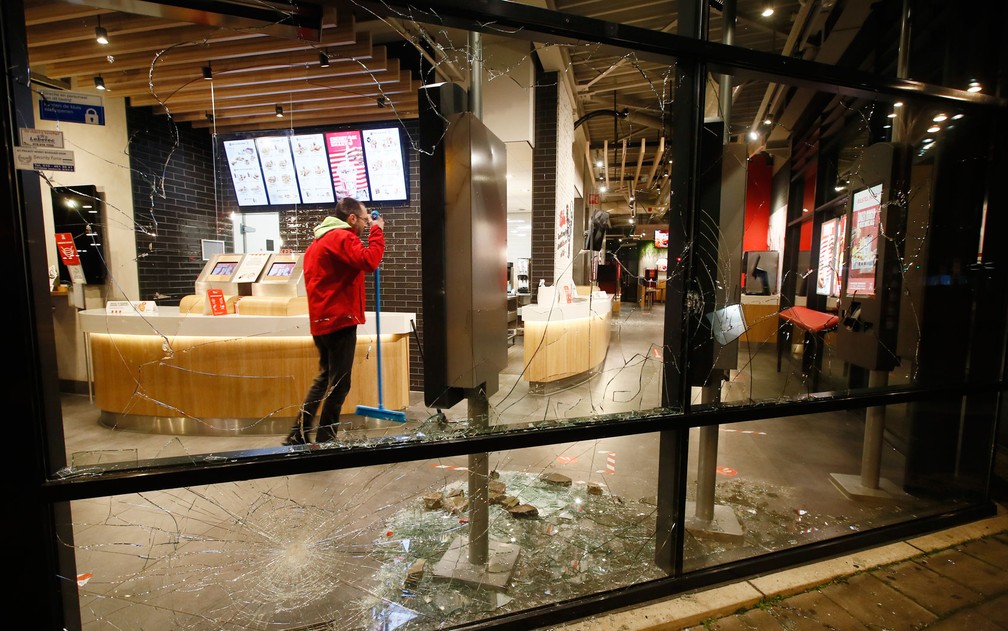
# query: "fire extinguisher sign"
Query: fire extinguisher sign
{"points": [[66, 248]]}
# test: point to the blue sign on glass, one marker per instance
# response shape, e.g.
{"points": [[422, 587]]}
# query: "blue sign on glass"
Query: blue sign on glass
{"points": [[71, 107]]}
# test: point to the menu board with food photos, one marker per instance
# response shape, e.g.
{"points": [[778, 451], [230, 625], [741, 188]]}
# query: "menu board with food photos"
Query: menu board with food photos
{"points": [[311, 162], [246, 174], [384, 164], [346, 162], [278, 169], [318, 166]]}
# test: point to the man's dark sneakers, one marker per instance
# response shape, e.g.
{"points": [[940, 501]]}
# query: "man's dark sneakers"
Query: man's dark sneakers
{"points": [[294, 438]]}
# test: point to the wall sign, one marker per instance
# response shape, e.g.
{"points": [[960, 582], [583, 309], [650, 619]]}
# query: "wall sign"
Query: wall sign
{"points": [[71, 107]]}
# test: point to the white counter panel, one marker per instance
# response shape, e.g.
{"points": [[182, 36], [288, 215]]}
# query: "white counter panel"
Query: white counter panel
{"points": [[171, 322]]}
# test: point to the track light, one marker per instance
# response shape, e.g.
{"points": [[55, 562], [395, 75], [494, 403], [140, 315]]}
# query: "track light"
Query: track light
{"points": [[207, 73], [768, 9], [101, 35], [279, 111], [323, 60], [974, 86], [99, 83]]}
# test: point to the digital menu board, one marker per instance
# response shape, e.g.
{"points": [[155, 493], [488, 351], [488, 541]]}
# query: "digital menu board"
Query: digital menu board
{"points": [[318, 166], [865, 217], [246, 174], [387, 178], [278, 169], [311, 162], [346, 162]]}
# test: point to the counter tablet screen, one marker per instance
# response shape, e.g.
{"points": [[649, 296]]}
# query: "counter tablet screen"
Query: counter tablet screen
{"points": [[224, 268], [280, 269]]}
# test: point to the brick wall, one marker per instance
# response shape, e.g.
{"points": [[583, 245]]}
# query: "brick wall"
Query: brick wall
{"points": [[544, 169], [173, 202]]}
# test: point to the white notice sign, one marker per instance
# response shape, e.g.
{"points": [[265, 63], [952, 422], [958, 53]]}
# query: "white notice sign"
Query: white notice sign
{"points": [[41, 138], [43, 159]]}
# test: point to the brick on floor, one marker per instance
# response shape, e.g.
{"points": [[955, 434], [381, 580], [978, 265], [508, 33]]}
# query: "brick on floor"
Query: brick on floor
{"points": [[935, 592], [876, 605]]}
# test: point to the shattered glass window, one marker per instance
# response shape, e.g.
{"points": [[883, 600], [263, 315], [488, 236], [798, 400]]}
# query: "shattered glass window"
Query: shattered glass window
{"points": [[561, 252]]}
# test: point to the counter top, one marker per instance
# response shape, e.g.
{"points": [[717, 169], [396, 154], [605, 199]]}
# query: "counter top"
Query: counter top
{"points": [[169, 321], [598, 304]]}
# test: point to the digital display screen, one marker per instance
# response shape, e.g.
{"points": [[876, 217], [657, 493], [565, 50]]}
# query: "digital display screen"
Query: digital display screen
{"points": [[661, 238], [865, 217], [827, 275], [281, 269], [224, 268], [318, 167]]}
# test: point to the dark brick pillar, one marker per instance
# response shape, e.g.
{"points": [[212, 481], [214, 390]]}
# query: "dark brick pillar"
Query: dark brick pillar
{"points": [[544, 174]]}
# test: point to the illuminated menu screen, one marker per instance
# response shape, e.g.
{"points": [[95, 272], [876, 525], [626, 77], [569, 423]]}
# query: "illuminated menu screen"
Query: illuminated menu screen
{"points": [[384, 164], [312, 166], [278, 169], [281, 169], [346, 163], [865, 216], [246, 173]]}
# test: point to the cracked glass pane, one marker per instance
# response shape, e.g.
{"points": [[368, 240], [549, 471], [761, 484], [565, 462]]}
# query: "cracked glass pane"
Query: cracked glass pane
{"points": [[542, 269], [376, 548]]}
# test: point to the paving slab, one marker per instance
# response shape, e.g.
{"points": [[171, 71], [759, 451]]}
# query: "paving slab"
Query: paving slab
{"points": [[876, 605], [800, 579], [979, 576], [935, 592], [813, 611], [991, 550]]}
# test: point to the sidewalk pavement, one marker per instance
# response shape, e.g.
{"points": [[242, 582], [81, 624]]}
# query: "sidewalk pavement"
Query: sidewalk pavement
{"points": [[951, 580]]}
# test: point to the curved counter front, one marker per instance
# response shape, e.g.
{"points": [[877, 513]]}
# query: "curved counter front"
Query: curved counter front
{"points": [[565, 341], [177, 373]]}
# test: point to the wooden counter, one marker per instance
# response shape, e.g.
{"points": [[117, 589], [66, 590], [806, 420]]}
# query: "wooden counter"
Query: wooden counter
{"points": [[565, 341], [195, 374]]}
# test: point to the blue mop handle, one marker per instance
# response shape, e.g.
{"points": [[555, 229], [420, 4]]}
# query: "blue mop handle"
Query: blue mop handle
{"points": [[377, 321]]}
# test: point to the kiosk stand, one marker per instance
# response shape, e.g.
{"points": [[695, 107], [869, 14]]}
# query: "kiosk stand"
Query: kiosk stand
{"points": [[870, 300]]}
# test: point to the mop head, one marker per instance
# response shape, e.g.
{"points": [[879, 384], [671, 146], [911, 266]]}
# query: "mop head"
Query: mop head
{"points": [[381, 413]]}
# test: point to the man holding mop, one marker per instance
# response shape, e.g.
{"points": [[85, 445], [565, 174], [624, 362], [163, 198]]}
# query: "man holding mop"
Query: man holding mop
{"points": [[334, 266]]}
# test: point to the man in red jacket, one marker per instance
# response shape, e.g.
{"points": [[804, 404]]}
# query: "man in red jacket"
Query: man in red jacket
{"points": [[334, 267]]}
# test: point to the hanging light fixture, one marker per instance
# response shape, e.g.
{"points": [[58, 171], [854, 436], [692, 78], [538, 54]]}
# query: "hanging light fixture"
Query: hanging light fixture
{"points": [[279, 111], [768, 9], [323, 59], [99, 83], [101, 35], [974, 86], [207, 72]]}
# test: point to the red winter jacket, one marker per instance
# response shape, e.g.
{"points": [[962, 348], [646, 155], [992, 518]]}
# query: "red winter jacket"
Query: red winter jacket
{"points": [[334, 266]]}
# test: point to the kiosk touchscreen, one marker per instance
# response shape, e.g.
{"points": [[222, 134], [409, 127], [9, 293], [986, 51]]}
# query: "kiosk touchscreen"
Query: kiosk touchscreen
{"points": [[219, 273], [283, 275]]}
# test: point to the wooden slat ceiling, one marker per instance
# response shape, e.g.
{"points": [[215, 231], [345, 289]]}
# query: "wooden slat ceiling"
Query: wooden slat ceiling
{"points": [[160, 62]]}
